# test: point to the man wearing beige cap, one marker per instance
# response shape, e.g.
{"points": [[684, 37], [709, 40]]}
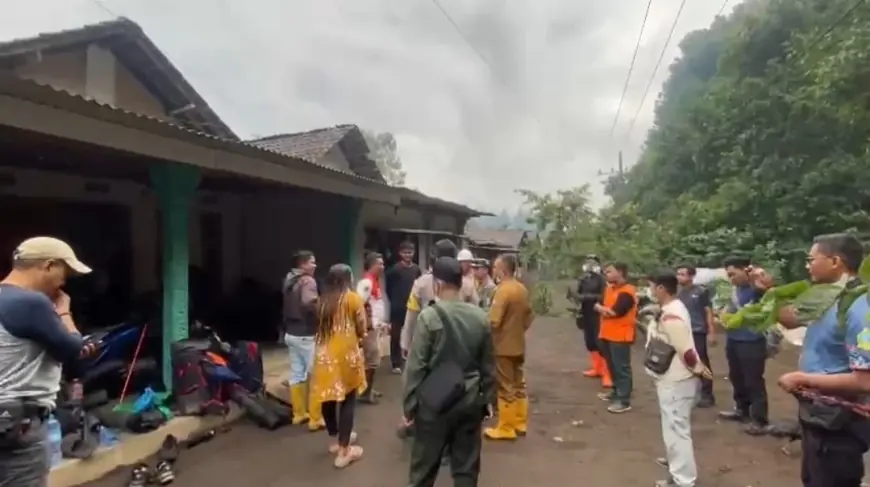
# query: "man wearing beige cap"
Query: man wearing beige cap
{"points": [[37, 335]]}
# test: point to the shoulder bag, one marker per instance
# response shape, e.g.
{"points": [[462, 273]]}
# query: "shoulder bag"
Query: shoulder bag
{"points": [[659, 354], [444, 386]]}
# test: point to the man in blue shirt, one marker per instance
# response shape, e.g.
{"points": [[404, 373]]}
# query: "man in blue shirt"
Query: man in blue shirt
{"points": [[746, 352], [700, 307], [37, 335], [833, 383]]}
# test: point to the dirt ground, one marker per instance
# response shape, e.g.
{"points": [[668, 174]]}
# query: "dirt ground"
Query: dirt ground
{"points": [[571, 436]]}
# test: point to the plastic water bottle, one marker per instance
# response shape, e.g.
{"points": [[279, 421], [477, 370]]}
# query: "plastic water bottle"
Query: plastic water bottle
{"points": [[55, 437], [108, 437]]}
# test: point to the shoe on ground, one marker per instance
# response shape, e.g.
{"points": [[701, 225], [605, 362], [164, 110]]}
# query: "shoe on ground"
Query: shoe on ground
{"points": [[757, 429], [353, 454], [397, 370], [605, 396], [735, 416], [369, 398], [163, 474], [662, 462], [665, 483], [377, 394], [334, 448], [139, 476], [618, 408]]}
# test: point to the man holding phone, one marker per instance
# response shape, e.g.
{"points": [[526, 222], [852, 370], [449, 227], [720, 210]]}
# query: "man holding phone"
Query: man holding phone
{"points": [[37, 335]]}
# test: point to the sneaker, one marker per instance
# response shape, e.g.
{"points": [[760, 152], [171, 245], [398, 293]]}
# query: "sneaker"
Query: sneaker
{"points": [[757, 429], [735, 415], [618, 408], [353, 454], [605, 396], [662, 462], [334, 448], [377, 394], [369, 398], [163, 474], [139, 476], [397, 370]]}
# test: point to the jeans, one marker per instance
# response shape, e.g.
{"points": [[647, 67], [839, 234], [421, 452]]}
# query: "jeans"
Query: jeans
{"points": [[338, 417], [25, 464], [746, 361], [618, 358], [301, 357], [704, 355], [676, 400]]}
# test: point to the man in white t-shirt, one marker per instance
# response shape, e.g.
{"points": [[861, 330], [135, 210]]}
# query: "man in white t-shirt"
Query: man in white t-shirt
{"points": [[369, 288], [677, 387]]}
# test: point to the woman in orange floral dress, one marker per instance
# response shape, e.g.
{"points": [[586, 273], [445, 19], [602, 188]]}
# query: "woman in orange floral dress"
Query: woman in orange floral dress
{"points": [[339, 368]]}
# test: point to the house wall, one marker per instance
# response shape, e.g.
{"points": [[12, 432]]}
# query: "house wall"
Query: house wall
{"points": [[95, 73]]}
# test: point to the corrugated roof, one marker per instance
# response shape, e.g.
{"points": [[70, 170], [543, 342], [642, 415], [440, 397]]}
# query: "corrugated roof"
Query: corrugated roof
{"points": [[141, 57], [313, 145], [64, 100], [496, 238]]}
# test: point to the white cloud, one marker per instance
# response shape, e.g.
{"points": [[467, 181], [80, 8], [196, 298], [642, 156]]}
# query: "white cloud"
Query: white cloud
{"points": [[539, 119]]}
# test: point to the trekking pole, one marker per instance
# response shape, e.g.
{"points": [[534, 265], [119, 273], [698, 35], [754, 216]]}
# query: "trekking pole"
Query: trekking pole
{"points": [[133, 362]]}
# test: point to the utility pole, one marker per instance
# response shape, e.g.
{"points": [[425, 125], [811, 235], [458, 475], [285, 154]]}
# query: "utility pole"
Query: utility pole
{"points": [[620, 169]]}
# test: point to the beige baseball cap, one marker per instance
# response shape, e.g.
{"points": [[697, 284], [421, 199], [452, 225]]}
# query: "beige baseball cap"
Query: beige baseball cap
{"points": [[44, 248]]}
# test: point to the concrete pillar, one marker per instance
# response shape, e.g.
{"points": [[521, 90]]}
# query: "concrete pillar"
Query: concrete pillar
{"points": [[175, 185]]}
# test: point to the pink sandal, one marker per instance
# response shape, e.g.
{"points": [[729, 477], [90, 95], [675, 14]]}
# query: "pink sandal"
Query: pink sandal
{"points": [[353, 454], [335, 447]]}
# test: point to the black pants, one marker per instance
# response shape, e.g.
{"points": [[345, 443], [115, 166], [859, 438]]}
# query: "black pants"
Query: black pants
{"points": [[831, 458], [396, 325], [746, 361], [618, 358], [590, 323], [704, 355], [25, 463], [338, 417], [460, 437]]}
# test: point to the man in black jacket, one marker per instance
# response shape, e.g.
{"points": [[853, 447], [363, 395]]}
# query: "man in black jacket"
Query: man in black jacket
{"points": [[590, 289]]}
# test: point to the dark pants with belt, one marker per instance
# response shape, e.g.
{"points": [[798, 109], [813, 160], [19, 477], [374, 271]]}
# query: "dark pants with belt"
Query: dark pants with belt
{"points": [[24, 462], [831, 458], [704, 355], [589, 323], [746, 361], [618, 358], [459, 436]]}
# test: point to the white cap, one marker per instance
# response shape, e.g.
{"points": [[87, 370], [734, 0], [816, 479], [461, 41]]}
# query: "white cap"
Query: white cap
{"points": [[45, 248], [465, 255]]}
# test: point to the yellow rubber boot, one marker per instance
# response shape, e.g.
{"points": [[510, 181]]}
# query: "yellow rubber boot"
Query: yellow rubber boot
{"points": [[299, 403], [522, 416], [504, 430], [316, 422]]}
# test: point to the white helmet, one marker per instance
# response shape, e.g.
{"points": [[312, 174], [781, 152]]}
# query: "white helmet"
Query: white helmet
{"points": [[464, 255]]}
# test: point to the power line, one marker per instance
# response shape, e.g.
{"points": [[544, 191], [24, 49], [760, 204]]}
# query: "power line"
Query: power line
{"points": [[462, 35], [722, 9], [656, 69], [631, 67], [102, 6]]}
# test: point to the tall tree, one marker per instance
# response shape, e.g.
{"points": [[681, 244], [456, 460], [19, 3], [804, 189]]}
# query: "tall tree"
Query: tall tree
{"points": [[384, 151]]}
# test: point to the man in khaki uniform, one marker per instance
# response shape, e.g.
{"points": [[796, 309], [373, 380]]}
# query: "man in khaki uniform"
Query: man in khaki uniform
{"points": [[510, 317]]}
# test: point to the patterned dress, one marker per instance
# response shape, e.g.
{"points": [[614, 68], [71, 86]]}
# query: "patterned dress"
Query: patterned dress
{"points": [[339, 367]]}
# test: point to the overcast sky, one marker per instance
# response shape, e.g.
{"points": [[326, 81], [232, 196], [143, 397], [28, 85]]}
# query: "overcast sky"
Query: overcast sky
{"points": [[539, 118]]}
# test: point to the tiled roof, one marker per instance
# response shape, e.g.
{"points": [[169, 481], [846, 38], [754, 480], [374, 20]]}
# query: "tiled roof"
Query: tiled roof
{"points": [[495, 238], [141, 57], [314, 144]]}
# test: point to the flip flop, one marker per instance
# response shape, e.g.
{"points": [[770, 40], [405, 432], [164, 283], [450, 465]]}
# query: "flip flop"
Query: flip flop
{"points": [[354, 453], [334, 448]]}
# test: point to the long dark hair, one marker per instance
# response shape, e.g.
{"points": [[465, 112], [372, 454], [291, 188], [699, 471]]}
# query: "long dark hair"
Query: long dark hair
{"points": [[338, 281]]}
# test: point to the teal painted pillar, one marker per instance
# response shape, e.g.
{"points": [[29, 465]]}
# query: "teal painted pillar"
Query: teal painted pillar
{"points": [[350, 222], [175, 185]]}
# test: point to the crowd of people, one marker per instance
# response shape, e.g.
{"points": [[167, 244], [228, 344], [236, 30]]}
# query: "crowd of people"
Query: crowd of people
{"points": [[831, 385], [456, 334]]}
